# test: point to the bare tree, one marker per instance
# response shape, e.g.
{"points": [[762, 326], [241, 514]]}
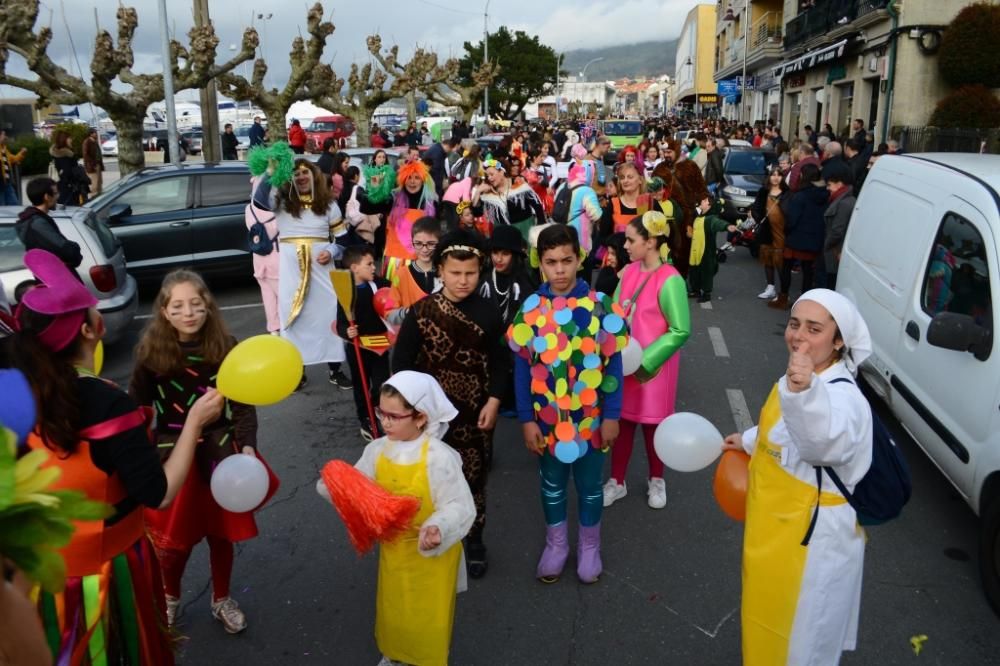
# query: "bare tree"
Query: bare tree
{"points": [[309, 78], [421, 73], [55, 85], [365, 92], [466, 98]]}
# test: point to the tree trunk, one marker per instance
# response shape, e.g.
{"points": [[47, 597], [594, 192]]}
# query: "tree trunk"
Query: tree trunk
{"points": [[131, 156], [276, 111], [469, 111], [363, 127], [411, 107]]}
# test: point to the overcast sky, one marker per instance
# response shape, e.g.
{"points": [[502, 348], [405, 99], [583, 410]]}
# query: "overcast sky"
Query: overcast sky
{"points": [[442, 25]]}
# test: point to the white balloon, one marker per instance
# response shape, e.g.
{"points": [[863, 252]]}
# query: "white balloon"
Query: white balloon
{"points": [[239, 483], [631, 357], [687, 442]]}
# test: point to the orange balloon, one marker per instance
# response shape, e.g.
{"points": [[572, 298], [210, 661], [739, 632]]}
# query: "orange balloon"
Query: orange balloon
{"points": [[730, 485]]}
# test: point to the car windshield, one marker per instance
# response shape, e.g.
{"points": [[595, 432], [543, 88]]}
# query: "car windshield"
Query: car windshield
{"points": [[326, 126], [747, 163], [622, 127], [11, 250], [109, 192]]}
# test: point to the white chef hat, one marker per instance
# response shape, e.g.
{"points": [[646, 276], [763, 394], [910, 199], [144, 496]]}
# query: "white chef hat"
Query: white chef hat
{"points": [[853, 329], [426, 395]]}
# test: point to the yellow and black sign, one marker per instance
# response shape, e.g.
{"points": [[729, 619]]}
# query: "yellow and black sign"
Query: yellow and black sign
{"points": [[708, 99]]}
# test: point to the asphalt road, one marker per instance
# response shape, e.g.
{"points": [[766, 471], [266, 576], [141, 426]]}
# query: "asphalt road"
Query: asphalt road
{"points": [[671, 585]]}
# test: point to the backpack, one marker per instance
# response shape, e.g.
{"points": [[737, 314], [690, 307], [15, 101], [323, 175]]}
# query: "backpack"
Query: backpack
{"points": [[884, 489], [257, 238], [560, 209]]}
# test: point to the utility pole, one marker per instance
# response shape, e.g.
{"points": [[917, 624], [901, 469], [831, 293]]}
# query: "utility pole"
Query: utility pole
{"points": [[486, 59], [168, 87], [746, 48], [211, 143]]}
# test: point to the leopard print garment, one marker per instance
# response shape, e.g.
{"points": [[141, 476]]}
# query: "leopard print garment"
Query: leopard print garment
{"points": [[455, 353]]}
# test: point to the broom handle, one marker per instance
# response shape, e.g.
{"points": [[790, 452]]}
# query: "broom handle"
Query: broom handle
{"points": [[364, 382]]}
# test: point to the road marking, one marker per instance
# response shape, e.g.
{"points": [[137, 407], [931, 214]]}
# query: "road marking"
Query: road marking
{"points": [[245, 306], [707, 305], [718, 343], [738, 406]]}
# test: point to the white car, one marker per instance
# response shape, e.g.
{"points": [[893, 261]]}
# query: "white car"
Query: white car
{"points": [[920, 260], [110, 147]]}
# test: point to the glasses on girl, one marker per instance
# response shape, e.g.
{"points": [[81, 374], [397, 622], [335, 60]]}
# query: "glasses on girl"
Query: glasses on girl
{"points": [[389, 418]]}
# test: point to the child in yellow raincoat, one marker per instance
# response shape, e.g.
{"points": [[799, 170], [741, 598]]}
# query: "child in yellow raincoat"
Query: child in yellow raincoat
{"points": [[420, 573]]}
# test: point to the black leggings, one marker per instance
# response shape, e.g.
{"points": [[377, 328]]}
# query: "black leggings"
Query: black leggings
{"points": [[808, 270]]}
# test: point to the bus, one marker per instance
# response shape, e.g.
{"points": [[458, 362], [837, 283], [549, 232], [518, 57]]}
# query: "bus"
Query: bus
{"points": [[622, 132]]}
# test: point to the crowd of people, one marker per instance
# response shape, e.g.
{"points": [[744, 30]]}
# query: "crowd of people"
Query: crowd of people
{"points": [[498, 285]]}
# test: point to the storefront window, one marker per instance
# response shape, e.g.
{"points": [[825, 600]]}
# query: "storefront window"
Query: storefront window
{"points": [[846, 108]]}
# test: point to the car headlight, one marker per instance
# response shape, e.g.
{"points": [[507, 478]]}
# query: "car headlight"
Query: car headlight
{"points": [[734, 191]]}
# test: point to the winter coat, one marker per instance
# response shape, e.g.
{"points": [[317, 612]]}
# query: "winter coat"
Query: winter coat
{"points": [[804, 219], [835, 221]]}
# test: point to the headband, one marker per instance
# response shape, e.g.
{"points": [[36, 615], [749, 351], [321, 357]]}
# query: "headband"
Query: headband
{"points": [[490, 162], [461, 248], [461, 206], [656, 225]]}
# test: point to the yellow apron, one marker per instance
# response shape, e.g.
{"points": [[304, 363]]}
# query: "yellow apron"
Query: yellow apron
{"points": [[779, 509], [415, 605]]}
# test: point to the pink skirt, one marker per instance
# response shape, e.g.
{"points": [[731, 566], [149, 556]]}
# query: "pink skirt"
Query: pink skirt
{"points": [[653, 401]]}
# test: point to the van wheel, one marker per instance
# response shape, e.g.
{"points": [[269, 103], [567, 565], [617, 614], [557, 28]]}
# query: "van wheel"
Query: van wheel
{"points": [[989, 553]]}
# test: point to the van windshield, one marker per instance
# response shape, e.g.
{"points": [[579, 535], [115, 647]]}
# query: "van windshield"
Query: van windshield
{"points": [[325, 126]]}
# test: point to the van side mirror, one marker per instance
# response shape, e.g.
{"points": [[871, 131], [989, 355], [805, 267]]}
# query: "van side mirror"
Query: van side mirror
{"points": [[960, 332], [117, 211]]}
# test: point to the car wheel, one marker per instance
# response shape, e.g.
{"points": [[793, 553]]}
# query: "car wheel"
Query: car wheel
{"points": [[989, 552]]}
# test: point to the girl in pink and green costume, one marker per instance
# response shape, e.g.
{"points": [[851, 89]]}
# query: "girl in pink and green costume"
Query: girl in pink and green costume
{"points": [[567, 341], [654, 297]]}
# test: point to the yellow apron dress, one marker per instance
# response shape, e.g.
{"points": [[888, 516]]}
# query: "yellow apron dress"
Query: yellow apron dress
{"points": [[779, 509], [415, 604]]}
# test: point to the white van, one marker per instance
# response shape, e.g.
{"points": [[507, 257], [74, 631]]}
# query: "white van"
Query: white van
{"points": [[920, 261]]}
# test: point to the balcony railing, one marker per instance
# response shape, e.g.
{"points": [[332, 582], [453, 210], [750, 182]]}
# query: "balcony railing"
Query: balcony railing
{"points": [[820, 16], [766, 30]]}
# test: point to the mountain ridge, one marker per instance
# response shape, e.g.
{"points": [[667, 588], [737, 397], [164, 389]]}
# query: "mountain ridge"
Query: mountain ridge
{"points": [[644, 59]]}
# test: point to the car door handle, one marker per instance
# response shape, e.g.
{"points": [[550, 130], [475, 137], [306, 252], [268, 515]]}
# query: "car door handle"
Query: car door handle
{"points": [[180, 224], [913, 330]]}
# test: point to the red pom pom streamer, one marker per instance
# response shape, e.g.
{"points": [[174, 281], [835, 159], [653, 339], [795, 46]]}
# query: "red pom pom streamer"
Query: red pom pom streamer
{"points": [[370, 512]]}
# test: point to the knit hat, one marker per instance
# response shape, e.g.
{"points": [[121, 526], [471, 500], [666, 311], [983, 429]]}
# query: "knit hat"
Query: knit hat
{"points": [[506, 237]]}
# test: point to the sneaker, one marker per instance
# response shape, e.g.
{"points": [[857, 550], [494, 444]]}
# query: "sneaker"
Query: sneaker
{"points": [[656, 494], [173, 603], [768, 294], [728, 247], [340, 380], [705, 297], [613, 491], [229, 614]]}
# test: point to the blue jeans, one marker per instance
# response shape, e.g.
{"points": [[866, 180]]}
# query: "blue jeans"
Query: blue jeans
{"points": [[587, 478], [9, 195]]}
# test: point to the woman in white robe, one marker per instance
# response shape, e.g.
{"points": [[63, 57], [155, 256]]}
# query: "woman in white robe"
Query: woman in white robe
{"points": [[802, 597], [309, 221]]}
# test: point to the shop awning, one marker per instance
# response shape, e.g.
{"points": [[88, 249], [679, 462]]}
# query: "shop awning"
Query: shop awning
{"points": [[811, 59]]}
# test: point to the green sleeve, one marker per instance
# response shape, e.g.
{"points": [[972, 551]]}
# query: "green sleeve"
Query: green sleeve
{"points": [[715, 224], [674, 306]]}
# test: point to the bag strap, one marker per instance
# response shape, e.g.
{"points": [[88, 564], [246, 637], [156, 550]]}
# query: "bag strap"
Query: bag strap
{"points": [[812, 522]]}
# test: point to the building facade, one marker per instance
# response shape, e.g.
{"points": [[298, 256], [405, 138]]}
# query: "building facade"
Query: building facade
{"points": [[816, 62], [695, 89]]}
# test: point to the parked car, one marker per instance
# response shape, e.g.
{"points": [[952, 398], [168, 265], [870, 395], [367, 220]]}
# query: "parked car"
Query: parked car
{"points": [[194, 141], [920, 260], [110, 147], [102, 271], [172, 216], [745, 171], [489, 142], [338, 127]]}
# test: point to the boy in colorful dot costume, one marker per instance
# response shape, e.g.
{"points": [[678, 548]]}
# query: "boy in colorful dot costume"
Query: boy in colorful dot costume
{"points": [[704, 263], [567, 341]]}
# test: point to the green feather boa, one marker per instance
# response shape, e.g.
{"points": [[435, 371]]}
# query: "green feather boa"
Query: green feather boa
{"points": [[279, 156], [386, 177]]}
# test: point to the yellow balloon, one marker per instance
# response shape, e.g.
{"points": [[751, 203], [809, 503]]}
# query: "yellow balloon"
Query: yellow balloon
{"points": [[99, 357], [261, 370]]}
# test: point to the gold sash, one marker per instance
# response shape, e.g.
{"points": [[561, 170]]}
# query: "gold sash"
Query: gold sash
{"points": [[303, 254]]}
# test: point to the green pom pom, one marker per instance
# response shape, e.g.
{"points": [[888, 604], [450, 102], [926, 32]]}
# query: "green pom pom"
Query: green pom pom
{"points": [[278, 156], [257, 160]]}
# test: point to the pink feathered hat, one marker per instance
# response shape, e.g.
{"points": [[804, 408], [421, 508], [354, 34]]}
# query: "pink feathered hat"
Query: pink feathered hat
{"points": [[60, 295]]}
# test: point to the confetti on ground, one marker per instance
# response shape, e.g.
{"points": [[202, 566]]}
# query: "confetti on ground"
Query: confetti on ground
{"points": [[917, 642]]}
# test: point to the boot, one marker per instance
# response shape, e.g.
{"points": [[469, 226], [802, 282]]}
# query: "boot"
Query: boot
{"points": [[588, 554], [556, 552], [780, 303]]}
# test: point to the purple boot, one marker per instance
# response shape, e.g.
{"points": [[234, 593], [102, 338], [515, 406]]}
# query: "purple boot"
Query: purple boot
{"points": [[588, 554], [556, 552]]}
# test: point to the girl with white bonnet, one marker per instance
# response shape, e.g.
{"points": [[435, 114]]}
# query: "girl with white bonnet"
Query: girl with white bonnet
{"points": [[802, 564], [420, 573]]}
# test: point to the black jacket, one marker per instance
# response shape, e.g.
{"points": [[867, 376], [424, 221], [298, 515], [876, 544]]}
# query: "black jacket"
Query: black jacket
{"points": [[230, 142], [804, 224], [714, 170], [38, 231]]}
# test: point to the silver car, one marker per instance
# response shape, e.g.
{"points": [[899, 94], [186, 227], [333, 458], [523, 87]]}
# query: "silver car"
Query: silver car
{"points": [[102, 270]]}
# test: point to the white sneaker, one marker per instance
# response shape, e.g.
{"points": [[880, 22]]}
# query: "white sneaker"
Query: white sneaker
{"points": [[613, 491], [728, 247], [656, 494], [768, 294], [173, 603]]}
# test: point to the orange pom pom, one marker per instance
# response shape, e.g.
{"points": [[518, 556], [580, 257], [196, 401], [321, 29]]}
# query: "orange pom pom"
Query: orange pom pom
{"points": [[370, 512]]}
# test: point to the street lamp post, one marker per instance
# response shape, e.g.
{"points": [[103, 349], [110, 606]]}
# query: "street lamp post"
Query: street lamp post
{"points": [[486, 59], [745, 17]]}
